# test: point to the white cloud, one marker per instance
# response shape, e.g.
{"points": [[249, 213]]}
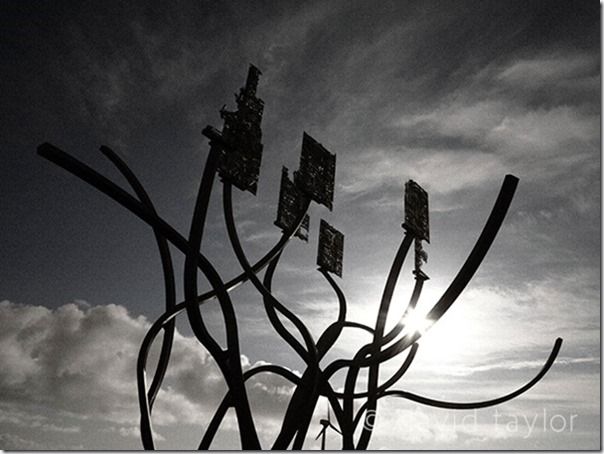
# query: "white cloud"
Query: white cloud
{"points": [[438, 171], [535, 72], [458, 118], [544, 131], [78, 362]]}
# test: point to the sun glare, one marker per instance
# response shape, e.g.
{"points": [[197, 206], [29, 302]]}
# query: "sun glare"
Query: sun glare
{"points": [[415, 321]]}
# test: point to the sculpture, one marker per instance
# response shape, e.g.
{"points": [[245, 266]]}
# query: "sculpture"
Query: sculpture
{"points": [[235, 155]]}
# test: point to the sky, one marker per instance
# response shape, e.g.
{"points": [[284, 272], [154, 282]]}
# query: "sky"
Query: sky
{"points": [[454, 95]]}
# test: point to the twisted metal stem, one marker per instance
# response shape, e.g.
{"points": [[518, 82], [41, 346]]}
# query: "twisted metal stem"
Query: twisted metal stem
{"points": [[168, 316], [460, 281], [227, 400], [302, 403], [101, 183], [474, 405], [326, 341], [168, 271], [148, 214], [270, 302], [107, 187], [374, 347], [314, 382], [373, 389], [229, 360], [326, 391], [383, 388]]}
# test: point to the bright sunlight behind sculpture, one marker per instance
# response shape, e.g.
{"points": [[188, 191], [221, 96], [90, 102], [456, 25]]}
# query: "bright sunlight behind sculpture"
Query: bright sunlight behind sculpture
{"points": [[416, 321]]}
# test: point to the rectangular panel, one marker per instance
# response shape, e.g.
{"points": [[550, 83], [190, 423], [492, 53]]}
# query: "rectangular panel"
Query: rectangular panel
{"points": [[290, 207], [416, 211], [242, 136], [331, 249], [316, 174]]}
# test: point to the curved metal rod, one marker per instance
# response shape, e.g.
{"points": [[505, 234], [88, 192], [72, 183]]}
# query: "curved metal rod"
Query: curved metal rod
{"points": [[110, 189], [227, 360], [375, 346], [190, 266], [274, 319], [306, 391], [148, 340], [220, 357], [326, 391], [465, 274], [107, 187], [324, 344], [270, 302], [485, 403], [396, 329], [170, 290], [398, 374], [330, 394], [447, 299], [225, 404], [438, 310], [141, 378], [460, 281], [231, 364], [168, 271], [168, 316], [383, 388], [332, 332], [358, 325], [301, 398], [417, 290]]}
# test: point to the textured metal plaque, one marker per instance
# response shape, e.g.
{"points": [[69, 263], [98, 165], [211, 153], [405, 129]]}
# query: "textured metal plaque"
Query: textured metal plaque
{"points": [[331, 249], [416, 211], [242, 136], [290, 207], [421, 256], [317, 172]]}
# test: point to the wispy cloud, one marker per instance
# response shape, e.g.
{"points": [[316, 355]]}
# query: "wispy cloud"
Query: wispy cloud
{"points": [[569, 70]]}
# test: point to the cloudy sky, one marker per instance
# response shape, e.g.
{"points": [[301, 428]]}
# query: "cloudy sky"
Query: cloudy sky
{"points": [[451, 94]]}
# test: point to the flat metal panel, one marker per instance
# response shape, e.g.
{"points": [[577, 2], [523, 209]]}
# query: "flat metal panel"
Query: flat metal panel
{"points": [[316, 175], [242, 136], [290, 206], [331, 248], [416, 211]]}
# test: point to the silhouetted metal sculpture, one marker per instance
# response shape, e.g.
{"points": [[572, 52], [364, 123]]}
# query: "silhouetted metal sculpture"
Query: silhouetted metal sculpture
{"points": [[235, 154]]}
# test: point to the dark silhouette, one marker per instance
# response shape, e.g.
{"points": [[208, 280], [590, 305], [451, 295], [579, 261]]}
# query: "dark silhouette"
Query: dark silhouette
{"points": [[326, 424], [235, 154]]}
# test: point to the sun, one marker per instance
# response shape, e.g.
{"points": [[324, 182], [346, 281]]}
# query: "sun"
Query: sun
{"points": [[416, 322]]}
